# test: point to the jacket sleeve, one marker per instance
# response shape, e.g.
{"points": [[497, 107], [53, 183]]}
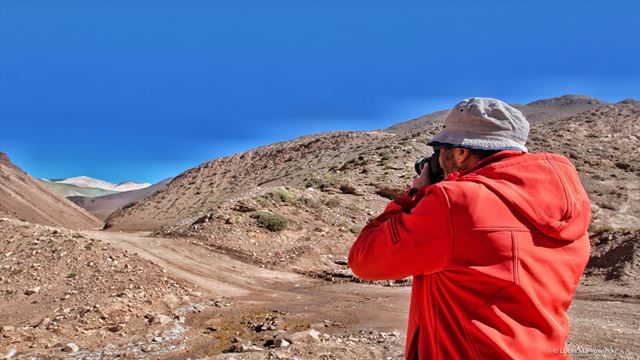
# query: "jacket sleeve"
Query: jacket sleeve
{"points": [[412, 236]]}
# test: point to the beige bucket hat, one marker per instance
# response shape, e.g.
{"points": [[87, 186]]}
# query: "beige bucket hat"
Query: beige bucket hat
{"points": [[484, 123]]}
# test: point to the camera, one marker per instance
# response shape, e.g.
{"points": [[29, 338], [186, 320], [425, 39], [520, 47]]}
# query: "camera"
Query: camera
{"points": [[436, 173]]}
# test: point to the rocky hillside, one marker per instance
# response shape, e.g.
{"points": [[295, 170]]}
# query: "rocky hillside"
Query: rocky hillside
{"points": [[26, 198], [292, 203], [603, 143], [63, 292], [321, 161]]}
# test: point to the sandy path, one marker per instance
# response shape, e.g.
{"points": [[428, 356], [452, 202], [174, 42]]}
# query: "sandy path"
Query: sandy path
{"points": [[220, 275], [213, 272]]}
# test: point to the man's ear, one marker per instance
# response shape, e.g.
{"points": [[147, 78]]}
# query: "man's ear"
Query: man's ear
{"points": [[461, 156]]}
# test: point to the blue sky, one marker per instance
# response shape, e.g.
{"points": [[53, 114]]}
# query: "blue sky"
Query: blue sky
{"points": [[143, 90]]}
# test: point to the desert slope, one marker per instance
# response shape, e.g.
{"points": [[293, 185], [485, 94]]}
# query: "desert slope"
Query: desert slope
{"points": [[25, 198], [604, 150], [302, 162]]}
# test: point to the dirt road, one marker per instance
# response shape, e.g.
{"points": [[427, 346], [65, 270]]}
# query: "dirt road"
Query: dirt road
{"points": [[605, 318], [220, 275], [213, 272]]}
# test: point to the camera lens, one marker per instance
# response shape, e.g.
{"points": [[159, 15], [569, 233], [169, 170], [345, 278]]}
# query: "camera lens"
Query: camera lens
{"points": [[420, 163]]}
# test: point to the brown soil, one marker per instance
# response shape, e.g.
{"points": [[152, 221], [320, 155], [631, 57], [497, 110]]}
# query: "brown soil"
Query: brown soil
{"points": [[24, 197]]}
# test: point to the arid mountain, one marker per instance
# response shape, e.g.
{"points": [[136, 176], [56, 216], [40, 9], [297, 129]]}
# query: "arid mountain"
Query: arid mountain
{"points": [[85, 181], [304, 162], [102, 206], [327, 186], [224, 270], [25, 198], [67, 190], [547, 110]]}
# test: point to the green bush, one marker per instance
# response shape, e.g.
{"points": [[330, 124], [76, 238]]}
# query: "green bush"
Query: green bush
{"points": [[356, 229], [598, 229], [332, 201], [271, 221], [354, 208], [280, 195], [308, 202]]}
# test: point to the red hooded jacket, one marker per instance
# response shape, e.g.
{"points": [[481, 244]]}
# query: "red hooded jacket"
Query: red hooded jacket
{"points": [[496, 253]]}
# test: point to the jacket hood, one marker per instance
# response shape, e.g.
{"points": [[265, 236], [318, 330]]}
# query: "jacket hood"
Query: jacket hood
{"points": [[545, 188]]}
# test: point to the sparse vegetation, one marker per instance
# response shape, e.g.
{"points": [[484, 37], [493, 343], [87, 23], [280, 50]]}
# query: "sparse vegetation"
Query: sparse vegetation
{"points": [[279, 195], [598, 229], [332, 201], [272, 221], [354, 208], [308, 202]]}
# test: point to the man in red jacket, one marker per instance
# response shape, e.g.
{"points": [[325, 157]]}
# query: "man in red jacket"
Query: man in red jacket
{"points": [[496, 249]]}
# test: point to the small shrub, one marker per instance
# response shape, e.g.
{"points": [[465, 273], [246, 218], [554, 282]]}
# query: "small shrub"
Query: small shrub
{"points": [[308, 202], [354, 208], [262, 202], [72, 275], [332, 201], [281, 195], [271, 221], [598, 229], [356, 229], [321, 182]]}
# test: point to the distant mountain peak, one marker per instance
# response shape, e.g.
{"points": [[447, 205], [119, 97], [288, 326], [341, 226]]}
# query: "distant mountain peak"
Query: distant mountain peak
{"points": [[89, 182], [570, 99]]}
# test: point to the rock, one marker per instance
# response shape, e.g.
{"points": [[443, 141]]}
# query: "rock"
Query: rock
{"points": [[71, 348], [9, 354], [170, 299], [303, 336], [115, 327], [32, 291], [280, 343], [243, 207], [43, 323], [7, 329], [163, 319], [150, 318], [341, 261], [241, 348]]}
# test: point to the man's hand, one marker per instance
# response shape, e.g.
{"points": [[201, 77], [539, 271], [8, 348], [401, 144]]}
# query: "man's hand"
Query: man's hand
{"points": [[423, 179]]}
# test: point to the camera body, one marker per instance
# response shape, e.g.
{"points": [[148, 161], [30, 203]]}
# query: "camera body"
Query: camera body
{"points": [[436, 173]]}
